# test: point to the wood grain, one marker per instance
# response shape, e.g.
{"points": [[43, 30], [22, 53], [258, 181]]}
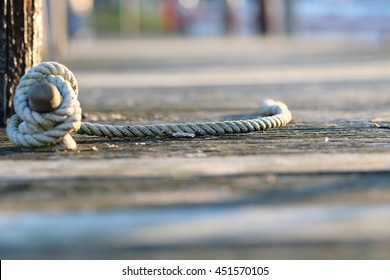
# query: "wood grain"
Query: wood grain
{"points": [[315, 189]]}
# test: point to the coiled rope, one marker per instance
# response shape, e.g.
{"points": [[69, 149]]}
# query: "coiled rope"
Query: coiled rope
{"points": [[28, 128]]}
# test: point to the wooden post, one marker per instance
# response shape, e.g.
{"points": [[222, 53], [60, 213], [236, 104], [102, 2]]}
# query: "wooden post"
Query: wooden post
{"points": [[20, 46], [263, 20], [288, 16], [275, 16], [57, 27]]}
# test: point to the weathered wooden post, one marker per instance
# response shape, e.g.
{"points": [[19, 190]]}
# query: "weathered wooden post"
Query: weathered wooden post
{"points": [[20, 46], [263, 17]]}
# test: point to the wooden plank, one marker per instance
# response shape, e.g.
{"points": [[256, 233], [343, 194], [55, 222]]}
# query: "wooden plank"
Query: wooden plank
{"points": [[278, 232], [201, 166], [118, 191], [239, 76]]}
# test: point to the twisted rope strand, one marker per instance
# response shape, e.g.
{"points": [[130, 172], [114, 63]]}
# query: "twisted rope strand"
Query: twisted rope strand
{"points": [[198, 129], [28, 128]]}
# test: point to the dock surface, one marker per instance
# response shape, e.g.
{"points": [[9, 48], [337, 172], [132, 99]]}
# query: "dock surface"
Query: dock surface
{"points": [[318, 188]]}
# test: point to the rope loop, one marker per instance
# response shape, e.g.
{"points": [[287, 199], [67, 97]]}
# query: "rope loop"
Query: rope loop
{"points": [[28, 128]]}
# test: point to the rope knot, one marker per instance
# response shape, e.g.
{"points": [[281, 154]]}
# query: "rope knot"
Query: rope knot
{"points": [[31, 127]]}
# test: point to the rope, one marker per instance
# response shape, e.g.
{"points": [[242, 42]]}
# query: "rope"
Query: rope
{"points": [[28, 128]]}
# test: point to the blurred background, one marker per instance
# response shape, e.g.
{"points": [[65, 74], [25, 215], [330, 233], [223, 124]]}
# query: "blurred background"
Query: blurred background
{"points": [[362, 19]]}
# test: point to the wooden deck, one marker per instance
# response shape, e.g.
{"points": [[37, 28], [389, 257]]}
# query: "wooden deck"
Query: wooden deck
{"points": [[318, 188]]}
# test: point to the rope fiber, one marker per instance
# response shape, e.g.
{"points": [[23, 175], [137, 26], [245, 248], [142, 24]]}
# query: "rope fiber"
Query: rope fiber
{"points": [[28, 128]]}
